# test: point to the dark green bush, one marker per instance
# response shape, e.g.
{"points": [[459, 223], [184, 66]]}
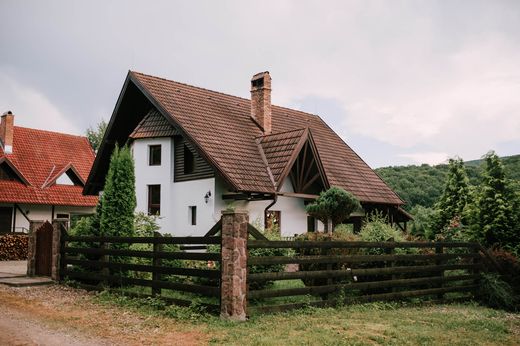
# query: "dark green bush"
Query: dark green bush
{"points": [[496, 293]]}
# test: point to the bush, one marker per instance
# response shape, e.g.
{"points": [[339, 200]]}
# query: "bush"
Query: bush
{"points": [[335, 204], [496, 293], [510, 264]]}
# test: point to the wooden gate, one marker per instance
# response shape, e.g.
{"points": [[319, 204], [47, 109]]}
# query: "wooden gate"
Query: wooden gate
{"points": [[43, 266]]}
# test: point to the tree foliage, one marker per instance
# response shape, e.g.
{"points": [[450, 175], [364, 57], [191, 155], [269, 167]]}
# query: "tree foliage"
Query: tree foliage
{"points": [[95, 135], [455, 196], [335, 204], [496, 206], [119, 200]]}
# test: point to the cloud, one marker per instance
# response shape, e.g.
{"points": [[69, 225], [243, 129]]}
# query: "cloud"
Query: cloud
{"points": [[31, 107]]}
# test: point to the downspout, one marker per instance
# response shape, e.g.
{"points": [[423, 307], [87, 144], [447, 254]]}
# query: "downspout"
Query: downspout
{"points": [[275, 198]]}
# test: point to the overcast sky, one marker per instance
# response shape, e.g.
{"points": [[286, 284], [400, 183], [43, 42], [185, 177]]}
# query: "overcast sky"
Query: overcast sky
{"points": [[402, 82]]}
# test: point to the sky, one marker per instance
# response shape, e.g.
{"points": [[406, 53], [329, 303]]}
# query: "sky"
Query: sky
{"points": [[402, 82]]}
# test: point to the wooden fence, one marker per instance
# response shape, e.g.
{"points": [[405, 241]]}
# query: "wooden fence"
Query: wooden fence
{"points": [[159, 263], [334, 272]]}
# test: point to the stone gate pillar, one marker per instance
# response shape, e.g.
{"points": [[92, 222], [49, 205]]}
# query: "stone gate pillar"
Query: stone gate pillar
{"points": [[59, 227], [233, 303], [31, 249]]}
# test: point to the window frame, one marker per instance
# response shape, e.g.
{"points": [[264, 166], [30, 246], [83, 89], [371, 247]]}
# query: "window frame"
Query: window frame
{"points": [[151, 156], [154, 206], [193, 215]]}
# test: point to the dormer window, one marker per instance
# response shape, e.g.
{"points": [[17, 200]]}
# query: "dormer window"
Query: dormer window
{"points": [[154, 155]]}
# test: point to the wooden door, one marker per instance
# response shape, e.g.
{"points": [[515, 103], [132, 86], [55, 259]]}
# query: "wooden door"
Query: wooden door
{"points": [[43, 265]]}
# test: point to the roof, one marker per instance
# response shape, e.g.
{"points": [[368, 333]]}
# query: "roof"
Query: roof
{"points": [[222, 130], [39, 158]]}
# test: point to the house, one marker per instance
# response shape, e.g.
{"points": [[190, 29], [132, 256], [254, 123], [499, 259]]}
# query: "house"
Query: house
{"points": [[199, 151], [42, 175]]}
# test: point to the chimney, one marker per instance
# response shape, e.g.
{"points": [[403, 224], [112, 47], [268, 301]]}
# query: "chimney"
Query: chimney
{"points": [[6, 132], [261, 100]]}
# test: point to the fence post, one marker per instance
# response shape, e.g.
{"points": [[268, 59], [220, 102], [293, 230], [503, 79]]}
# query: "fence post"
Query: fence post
{"points": [[391, 263], [31, 250], [439, 249], [156, 262], [58, 227], [233, 287]]}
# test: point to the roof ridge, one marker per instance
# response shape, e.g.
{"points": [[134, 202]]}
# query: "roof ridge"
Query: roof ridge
{"points": [[218, 92], [49, 131]]}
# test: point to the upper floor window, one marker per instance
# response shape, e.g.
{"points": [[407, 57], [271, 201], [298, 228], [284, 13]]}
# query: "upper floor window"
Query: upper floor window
{"points": [[189, 161], [154, 155]]}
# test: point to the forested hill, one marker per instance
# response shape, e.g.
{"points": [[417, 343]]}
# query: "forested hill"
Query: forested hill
{"points": [[424, 184]]}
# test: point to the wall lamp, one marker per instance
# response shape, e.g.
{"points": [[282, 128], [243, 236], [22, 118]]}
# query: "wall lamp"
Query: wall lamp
{"points": [[207, 196]]}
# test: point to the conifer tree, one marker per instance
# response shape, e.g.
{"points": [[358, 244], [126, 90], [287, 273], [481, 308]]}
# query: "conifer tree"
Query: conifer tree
{"points": [[496, 215], [455, 195], [119, 200]]}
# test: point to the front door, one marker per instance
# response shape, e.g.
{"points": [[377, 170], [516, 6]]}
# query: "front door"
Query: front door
{"points": [[6, 219]]}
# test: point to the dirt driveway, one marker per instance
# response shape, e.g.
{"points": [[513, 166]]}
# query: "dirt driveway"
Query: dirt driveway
{"points": [[12, 268], [58, 315]]}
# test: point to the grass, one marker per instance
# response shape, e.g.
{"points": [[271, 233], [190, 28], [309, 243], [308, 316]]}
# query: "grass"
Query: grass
{"points": [[367, 324]]}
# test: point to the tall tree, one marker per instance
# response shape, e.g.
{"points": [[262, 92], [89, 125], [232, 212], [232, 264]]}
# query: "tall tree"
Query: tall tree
{"points": [[119, 200], [95, 135], [455, 195], [496, 216]]}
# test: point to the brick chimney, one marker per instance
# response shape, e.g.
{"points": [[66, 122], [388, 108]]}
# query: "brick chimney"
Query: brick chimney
{"points": [[261, 100], [6, 132]]}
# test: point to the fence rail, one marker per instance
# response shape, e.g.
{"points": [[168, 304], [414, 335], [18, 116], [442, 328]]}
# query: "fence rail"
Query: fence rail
{"points": [[336, 272], [95, 261]]}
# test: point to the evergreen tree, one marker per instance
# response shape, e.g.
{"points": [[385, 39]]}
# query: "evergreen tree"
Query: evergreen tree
{"points": [[496, 217], [455, 196], [119, 201]]}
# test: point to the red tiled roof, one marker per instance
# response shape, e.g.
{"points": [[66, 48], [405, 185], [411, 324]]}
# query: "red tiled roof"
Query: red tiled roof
{"points": [[154, 124], [221, 126], [39, 156]]}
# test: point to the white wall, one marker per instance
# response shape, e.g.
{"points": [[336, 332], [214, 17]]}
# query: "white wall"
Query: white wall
{"points": [[37, 212], [293, 215], [176, 198]]}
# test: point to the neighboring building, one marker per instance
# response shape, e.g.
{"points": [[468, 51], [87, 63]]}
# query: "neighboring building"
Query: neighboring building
{"points": [[198, 151], [42, 175]]}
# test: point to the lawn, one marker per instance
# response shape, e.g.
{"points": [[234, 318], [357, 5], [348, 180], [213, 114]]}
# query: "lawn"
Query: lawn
{"points": [[367, 324]]}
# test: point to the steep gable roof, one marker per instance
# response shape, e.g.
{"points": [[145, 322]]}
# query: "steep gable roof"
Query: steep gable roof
{"points": [[221, 129], [41, 157]]}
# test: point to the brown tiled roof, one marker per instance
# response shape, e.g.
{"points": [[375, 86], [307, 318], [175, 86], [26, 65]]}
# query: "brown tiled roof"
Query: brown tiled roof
{"points": [[278, 149], [221, 127], [40, 156], [154, 124]]}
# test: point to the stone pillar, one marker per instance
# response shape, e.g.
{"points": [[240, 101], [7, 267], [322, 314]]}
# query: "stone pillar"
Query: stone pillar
{"points": [[31, 250], [233, 302], [58, 229]]}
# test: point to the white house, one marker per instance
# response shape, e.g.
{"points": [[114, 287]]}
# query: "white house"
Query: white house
{"points": [[42, 175], [198, 152]]}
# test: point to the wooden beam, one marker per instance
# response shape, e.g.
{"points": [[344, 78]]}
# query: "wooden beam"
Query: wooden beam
{"points": [[309, 183], [297, 195]]}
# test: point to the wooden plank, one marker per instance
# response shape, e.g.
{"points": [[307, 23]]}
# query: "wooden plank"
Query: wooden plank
{"points": [[209, 291], [262, 244], [270, 293], [147, 240], [416, 293], [205, 273], [255, 233], [316, 274], [200, 256], [215, 229], [351, 258]]}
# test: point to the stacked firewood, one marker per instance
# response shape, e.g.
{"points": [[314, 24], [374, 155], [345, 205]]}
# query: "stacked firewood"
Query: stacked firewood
{"points": [[13, 247]]}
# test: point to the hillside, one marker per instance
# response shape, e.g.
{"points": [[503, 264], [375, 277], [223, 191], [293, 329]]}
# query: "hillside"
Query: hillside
{"points": [[424, 184]]}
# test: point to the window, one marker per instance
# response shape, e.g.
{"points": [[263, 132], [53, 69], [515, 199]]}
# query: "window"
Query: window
{"points": [[189, 161], [154, 155], [154, 199], [62, 216], [311, 224], [193, 215], [273, 219]]}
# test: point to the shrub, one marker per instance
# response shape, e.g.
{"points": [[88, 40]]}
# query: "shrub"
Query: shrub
{"points": [[496, 293], [335, 204], [510, 264]]}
